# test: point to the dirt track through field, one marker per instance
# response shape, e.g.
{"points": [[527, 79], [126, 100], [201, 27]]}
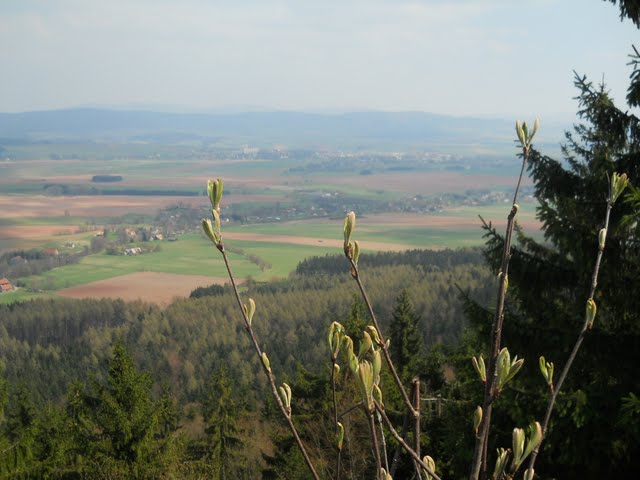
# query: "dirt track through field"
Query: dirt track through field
{"points": [[153, 287]]}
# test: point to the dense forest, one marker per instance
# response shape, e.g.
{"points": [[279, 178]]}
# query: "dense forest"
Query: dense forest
{"points": [[54, 352]]}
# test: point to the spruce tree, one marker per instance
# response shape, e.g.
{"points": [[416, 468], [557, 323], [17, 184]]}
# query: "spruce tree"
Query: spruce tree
{"points": [[221, 413], [118, 419], [407, 344], [548, 286]]}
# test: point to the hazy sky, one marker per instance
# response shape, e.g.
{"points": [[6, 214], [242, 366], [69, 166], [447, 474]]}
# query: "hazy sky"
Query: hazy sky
{"points": [[457, 56]]}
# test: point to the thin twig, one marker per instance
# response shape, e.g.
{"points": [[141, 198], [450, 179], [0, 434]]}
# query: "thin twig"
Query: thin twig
{"points": [[576, 347], [335, 416], [396, 455], [416, 424], [481, 446], [270, 376], [405, 445], [383, 345], [383, 441], [374, 440]]}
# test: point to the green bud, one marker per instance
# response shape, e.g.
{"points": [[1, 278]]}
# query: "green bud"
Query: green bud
{"points": [[376, 362], [336, 369], [339, 436], [528, 474], [536, 125], [507, 368], [515, 368], [373, 333], [602, 237], [547, 371], [431, 464], [214, 191], [349, 225], [265, 361], [478, 364], [285, 393], [216, 220], [618, 183], [353, 362], [347, 343], [534, 440], [208, 230], [501, 462], [517, 445], [520, 132], [590, 312], [356, 251], [477, 419], [250, 310], [365, 344], [335, 336], [377, 395], [365, 381]]}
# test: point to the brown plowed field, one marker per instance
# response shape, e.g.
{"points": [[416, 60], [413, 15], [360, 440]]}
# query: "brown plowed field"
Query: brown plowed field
{"points": [[153, 287], [36, 231], [18, 206]]}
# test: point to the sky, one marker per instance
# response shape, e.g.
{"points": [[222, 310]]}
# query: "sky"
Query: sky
{"points": [[458, 57]]}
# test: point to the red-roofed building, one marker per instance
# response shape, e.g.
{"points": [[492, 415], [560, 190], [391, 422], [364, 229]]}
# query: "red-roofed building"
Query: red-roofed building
{"points": [[6, 286]]}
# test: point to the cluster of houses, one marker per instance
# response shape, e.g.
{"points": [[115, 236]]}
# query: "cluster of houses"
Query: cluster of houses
{"points": [[6, 286]]}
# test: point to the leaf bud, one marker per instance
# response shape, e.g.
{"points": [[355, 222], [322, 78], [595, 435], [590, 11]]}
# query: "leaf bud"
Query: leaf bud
{"points": [[602, 237], [214, 191], [431, 464], [536, 125], [517, 445], [208, 230], [534, 440], [353, 362], [590, 312], [477, 419], [546, 368], [250, 310], [501, 462], [285, 393], [376, 361], [377, 396], [265, 361], [365, 344], [349, 225], [373, 333], [520, 132], [478, 364], [339, 436], [618, 183]]}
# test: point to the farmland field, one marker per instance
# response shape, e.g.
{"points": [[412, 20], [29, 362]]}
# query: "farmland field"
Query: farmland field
{"points": [[160, 288], [310, 197]]}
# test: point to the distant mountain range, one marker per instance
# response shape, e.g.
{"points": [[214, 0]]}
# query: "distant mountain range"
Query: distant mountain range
{"points": [[413, 128]]}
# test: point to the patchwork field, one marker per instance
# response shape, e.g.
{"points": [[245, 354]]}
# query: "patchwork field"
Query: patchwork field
{"points": [[264, 248]]}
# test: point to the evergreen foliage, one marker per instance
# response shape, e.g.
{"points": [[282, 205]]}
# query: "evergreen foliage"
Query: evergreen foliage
{"points": [[549, 283], [407, 344]]}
